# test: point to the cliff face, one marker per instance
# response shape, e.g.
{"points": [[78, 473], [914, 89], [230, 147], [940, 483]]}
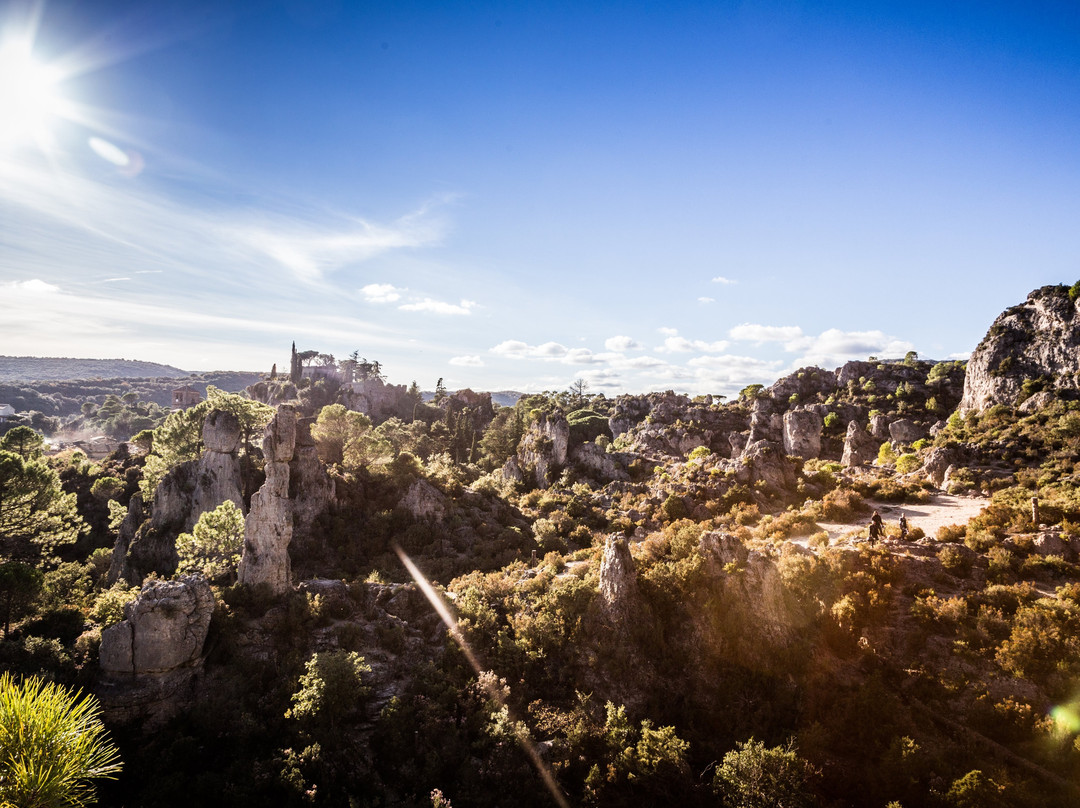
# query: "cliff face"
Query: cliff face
{"points": [[1035, 343]]}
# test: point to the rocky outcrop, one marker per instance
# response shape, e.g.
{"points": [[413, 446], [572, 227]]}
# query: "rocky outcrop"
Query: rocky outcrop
{"points": [[859, 446], [765, 424], [476, 408], [750, 593], [542, 452], [905, 430], [268, 528], [600, 464], [425, 501], [618, 581], [377, 399], [802, 433], [163, 629], [765, 464], [218, 470], [1036, 342], [187, 492], [311, 489], [119, 566], [150, 660]]}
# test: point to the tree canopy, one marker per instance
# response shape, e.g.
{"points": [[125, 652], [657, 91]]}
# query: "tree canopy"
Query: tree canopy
{"points": [[36, 516]]}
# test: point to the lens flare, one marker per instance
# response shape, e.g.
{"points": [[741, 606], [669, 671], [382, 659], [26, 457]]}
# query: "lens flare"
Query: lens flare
{"points": [[488, 682]]}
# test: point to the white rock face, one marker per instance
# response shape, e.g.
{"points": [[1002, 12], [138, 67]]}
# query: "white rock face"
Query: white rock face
{"points": [[544, 447], [618, 579], [425, 501], [1037, 340], [268, 528], [802, 433], [163, 629], [859, 446], [217, 477]]}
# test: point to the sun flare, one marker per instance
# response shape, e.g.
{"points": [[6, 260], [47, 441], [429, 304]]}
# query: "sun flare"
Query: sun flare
{"points": [[30, 98]]}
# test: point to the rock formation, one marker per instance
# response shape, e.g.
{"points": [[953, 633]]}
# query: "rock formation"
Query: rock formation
{"points": [[542, 451], [218, 471], [802, 433], [425, 501], [1036, 342], [311, 489], [184, 494], [618, 580], [268, 528], [859, 446], [119, 566], [163, 629], [377, 399]]}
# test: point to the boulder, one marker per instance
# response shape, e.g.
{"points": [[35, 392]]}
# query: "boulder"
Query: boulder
{"points": [[544, 446], [802, 433], [425, 501], [162, 630], [879, 427], [764, 462], [221, 432], [904, 430], [859, 446]]}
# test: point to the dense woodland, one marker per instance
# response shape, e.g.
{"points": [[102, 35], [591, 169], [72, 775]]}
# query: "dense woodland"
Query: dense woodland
{"points": [[737, 657]]}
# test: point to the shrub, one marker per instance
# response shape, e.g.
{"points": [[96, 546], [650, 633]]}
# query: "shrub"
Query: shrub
{"points": [[842, 504], [907, 463], [886, 456], [700, 453], [954, 560], [752, 775], [951, 534]]}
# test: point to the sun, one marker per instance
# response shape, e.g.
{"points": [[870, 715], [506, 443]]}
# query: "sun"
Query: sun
{"points": [[30, 97]]}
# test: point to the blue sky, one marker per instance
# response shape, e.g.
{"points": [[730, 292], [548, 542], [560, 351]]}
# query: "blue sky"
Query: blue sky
{"points": [[688, 196]]}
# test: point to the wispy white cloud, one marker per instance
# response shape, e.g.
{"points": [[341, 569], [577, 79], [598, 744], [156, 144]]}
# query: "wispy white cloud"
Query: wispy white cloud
{"points": [[752, 332], [667, 332], [676, 344], [381, 293], [439, 307], [706, 300], [548, 351], [621, 343], [467, 361], [724, 281]]}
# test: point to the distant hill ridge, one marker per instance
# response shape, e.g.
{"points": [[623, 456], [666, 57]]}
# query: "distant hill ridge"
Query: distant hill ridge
{"points": [[38, 368]]}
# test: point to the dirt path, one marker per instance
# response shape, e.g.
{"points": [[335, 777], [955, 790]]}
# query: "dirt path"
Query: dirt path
{"points": [[943, 509]]}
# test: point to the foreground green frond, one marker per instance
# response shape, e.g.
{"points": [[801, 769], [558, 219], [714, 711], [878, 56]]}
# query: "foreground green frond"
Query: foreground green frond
{"points": [[51, 744]]}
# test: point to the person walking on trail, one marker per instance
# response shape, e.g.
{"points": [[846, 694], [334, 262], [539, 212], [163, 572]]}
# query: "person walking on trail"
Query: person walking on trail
{"points": [[877, 529], [903, 527]]}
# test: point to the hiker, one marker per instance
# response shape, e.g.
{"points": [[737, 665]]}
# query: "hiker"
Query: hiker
{"points": [[903, 527], [877, 529]]}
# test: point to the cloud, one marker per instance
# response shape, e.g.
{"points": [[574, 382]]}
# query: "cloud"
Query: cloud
{"points": [[439, 307], [640, 362], [667, 332], [602, 378], [467, 361], [549, 351], [963, 356], [683, 345], [381, 293], [724, 281], [706, 300], [752, 332], [833, 347], [621, 343], [511, 347]]}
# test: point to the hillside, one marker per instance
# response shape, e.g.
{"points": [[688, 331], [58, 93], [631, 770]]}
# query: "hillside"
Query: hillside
{"points": [[647, 600], [38, 368]]}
